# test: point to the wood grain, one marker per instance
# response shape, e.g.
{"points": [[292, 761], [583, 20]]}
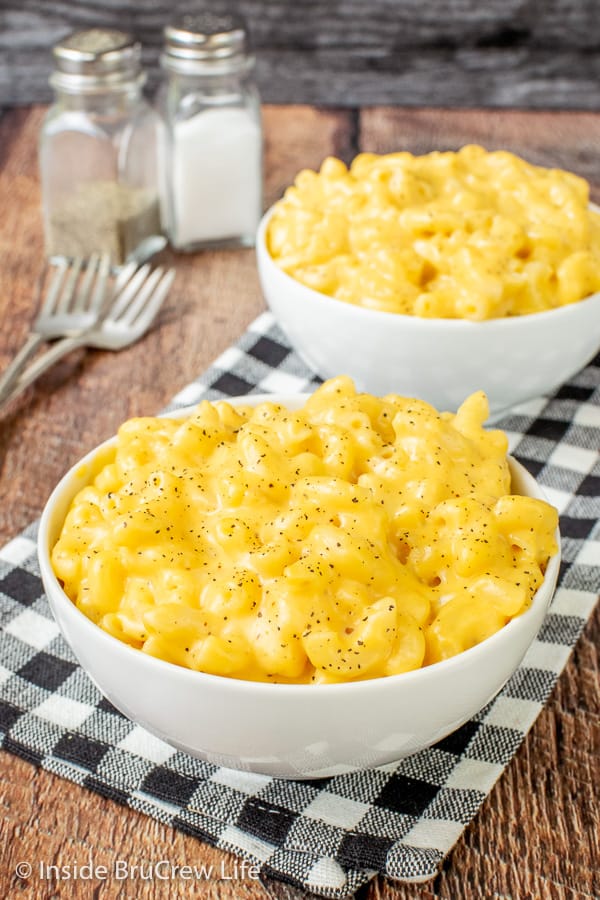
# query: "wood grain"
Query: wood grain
{"points": [[517, 53], [537, 834]]}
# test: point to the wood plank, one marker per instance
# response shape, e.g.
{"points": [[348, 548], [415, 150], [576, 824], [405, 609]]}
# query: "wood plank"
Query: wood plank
{"points": [[47, 821], [353, 53], [568, 140], [318, 132], [42, 817], [214, 297], [536, 834]]}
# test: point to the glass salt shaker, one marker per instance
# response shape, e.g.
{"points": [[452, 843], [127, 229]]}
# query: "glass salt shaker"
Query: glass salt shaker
{"points": [[98, 152], [211, 168]]}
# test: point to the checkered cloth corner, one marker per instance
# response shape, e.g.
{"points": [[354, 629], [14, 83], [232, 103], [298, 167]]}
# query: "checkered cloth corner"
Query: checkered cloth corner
{"points": [[328, 836]]}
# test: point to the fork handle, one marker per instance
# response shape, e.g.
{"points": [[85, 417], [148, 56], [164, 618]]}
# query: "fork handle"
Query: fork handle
{"points": [[41, 364], [11, 374]]}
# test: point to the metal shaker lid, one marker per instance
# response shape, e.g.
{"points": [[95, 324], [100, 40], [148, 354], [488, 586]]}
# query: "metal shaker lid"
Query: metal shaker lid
{"points": [[96, 58], [195, 41]]}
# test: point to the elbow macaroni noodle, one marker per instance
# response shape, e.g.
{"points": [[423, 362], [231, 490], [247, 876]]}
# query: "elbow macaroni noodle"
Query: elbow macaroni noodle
{"points": [[353, 538], [468, 235]]}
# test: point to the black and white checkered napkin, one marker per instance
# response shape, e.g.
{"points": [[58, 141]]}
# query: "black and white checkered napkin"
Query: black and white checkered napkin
{"points": [[329, 836]]}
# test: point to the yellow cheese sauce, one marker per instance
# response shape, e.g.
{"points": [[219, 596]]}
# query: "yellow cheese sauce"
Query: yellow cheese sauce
{"points": [[471, 235], [353, 538]]}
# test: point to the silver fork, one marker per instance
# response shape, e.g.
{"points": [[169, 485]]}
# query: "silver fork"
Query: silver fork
{"points": [[131, 311], [71, 305]]}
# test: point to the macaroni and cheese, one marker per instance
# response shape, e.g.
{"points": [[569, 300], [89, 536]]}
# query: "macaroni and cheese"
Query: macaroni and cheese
{"points": [[470, 235], [353, 538]]}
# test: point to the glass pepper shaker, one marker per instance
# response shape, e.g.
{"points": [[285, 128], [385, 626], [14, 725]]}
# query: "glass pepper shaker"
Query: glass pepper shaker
{"points": [[98, 152], [211, 166]]}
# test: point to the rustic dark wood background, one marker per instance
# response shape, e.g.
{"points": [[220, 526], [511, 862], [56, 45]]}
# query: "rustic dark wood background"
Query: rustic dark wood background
{"points": [[466, 53]]}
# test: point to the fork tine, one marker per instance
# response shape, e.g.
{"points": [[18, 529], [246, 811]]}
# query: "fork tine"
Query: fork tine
{"points": [[54, 289], [99, 295], [109, 333], [67, 292], [138, 302], [59, 293], [129, 292], [120, 283], [81, 296], [148, 313], [126, 273]]}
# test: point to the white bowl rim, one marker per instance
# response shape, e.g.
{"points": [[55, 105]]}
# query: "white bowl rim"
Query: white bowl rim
{"points": [[367, 684], [500, 322]]}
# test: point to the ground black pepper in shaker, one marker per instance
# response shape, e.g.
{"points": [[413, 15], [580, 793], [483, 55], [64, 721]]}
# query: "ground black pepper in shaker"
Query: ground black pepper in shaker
{"points": [[98, 151]]}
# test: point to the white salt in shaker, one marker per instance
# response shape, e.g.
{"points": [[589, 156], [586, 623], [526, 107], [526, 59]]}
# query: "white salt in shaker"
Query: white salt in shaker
{"points": [[211, 165]]}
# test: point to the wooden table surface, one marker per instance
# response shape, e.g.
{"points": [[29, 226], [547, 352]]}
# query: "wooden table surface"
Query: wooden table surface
{"points": [[537, 833]]}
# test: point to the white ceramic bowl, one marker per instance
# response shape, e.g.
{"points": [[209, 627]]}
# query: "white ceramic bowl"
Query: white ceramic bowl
{"points": [[439, 360], [291, 731]]}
